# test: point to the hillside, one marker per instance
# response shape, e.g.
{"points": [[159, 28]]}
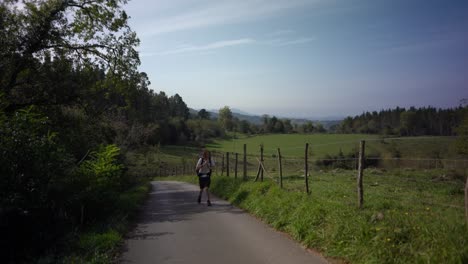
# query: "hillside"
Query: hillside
{"points": [[257, 119]]}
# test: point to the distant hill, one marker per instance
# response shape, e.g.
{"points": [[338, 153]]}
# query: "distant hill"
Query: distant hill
{"points": [[256, 119]]}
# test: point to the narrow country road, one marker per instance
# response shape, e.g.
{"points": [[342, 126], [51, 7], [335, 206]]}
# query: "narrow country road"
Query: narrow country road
{"points": [[174, 228]]}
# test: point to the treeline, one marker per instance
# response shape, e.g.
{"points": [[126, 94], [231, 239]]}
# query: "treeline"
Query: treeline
{"points": [[405, 122], [269, 124]]}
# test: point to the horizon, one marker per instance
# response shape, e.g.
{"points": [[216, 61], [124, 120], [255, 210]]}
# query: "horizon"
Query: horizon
{"points": [[324, 118], [305, 58]]}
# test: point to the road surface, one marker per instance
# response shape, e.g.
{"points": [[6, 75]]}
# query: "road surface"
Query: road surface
{"points": [[174, 228]]}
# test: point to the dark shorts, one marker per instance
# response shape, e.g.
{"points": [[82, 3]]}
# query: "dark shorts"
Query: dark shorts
{"points": [[204, 182]]}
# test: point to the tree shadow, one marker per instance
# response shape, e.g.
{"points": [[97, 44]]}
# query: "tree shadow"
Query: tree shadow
{"points": [[167, 203]]}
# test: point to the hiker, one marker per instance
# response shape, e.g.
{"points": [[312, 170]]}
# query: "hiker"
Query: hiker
{"points": [[203, 169]]}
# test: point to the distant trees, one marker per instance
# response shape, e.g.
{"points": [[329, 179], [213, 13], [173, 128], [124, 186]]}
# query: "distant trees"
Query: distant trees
{"points": [[203, 114], [225, 118], [405, 122], [462, 131]]}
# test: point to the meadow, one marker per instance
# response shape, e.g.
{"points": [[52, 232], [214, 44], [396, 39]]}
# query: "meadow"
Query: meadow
{"points": [[413, 207], [323, 144]]}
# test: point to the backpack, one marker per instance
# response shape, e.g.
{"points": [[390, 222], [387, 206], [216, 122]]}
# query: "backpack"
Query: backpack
{"points": [[209, 173]]}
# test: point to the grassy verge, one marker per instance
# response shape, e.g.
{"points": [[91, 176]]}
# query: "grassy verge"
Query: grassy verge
{"points": [[385, 231], [100, 242]]}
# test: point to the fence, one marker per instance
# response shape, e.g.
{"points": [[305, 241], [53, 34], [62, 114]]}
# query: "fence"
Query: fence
{"points": [[365, 169]]}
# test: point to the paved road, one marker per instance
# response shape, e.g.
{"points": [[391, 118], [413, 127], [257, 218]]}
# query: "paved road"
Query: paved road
{"points": [[173, 228]]}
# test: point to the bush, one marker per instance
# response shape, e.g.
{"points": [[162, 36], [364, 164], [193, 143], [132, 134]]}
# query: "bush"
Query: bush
{"points": [[32, 192]]}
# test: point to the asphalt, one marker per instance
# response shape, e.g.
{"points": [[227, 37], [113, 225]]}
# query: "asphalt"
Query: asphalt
{"points": [[174, 228]]}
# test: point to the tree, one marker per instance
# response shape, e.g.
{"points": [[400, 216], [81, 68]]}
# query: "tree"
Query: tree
{"points": [[225, 118], [203, 114], [308, 127], [407, 122], [178, 107], [462, 134], [87, 33], [288, 128]]}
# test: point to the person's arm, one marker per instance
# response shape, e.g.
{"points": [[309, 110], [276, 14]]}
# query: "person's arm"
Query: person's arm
{"points": [[199, 164]]}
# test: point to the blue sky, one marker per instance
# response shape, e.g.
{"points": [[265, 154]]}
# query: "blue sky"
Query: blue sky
{"points": [[305, 58]]}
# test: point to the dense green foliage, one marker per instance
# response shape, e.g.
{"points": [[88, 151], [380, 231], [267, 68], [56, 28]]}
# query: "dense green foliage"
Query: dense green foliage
{"points": [[72, 105], [405, 122]]}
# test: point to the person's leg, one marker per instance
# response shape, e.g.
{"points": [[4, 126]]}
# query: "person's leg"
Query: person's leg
{"points": [[201, 190], [208, 191]]}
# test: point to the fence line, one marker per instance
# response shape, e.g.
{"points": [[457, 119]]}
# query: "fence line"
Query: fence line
{"points": [[295, 161]]}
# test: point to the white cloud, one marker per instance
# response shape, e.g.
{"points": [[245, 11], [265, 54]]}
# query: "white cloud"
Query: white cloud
{"points": [[287, 42], [206, 47], [214, 13], [187, 48]]}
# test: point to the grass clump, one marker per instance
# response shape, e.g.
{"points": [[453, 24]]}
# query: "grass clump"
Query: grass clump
{"points": [[385, 231]]}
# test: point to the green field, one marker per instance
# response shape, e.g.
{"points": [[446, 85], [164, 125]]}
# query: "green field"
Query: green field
{"points": [[414, 152], [292, 144], [322, 144]]}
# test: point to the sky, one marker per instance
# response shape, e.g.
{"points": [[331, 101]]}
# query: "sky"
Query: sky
{"points": [[305, 58]]}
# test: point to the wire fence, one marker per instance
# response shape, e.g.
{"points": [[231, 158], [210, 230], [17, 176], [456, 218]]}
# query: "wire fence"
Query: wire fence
{"points": [[426, 181]]}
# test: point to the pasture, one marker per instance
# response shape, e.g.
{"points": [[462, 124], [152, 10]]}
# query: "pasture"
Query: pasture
{"points": [[413, 205], [292, 145]]}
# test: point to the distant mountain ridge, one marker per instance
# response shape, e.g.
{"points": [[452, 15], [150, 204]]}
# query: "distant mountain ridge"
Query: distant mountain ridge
{"points": [[257, 119]]}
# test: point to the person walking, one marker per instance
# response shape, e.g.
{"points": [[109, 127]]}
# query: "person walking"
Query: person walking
{"points": [[203, 169]]}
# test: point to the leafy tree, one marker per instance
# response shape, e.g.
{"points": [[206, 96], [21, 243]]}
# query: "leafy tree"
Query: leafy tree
{"points": [[308, 127], [86, 33], [462, 135], [203, 114], [178, 107], [408, 122], [225, 118], [288, 128]]}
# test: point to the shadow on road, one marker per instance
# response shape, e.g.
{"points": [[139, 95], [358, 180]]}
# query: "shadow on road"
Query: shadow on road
{"points": [[169, 203]]}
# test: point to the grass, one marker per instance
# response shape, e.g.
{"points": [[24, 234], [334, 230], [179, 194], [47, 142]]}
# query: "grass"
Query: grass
{"points": [[322, 144], [408, 216], [100, 242], [292, 144]]}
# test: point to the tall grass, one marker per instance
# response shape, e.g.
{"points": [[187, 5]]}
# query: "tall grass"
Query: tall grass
{"points": [[100, 242], [402, 222]]}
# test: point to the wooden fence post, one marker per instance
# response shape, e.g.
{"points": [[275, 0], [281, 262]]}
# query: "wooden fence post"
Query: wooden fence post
{"points": [[360, 174], [466, 195], [227, 164], [261, 159], [280, 169], [306, 167], [235, 165], [222, 166], [245, 162], [466, 199]]}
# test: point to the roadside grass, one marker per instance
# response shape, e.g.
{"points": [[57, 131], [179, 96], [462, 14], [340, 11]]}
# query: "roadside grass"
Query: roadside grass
{"points": [[100, 242], [408, 216]]}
